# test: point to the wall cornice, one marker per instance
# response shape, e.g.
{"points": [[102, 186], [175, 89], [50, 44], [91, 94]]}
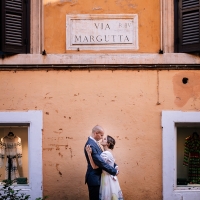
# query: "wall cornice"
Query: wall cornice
{"points": [[101, 59]]}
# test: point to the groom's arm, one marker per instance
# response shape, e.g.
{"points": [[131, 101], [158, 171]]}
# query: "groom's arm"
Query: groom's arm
{"points": [[98, 160]]}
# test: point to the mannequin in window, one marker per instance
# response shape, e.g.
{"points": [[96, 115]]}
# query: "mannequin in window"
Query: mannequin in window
{"points": [[11, 149], [192, 157]]}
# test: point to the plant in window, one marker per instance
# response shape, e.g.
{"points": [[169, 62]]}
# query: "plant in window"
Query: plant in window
{"points": [[9, 193]]}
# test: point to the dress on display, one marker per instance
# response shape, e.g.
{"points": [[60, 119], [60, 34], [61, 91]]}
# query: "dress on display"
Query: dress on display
{"points": [[192, 158], [11, 149], [109, 188]]}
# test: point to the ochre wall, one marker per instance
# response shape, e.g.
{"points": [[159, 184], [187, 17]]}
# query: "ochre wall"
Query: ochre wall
{"points": [[55, 21], [127, 104]]}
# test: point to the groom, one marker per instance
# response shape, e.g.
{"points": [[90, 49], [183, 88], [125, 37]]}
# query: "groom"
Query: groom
{"points": [[93, 176]]}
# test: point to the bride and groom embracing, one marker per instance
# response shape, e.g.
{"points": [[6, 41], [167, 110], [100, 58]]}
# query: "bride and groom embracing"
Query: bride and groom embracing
{"points": [[101, 170]]}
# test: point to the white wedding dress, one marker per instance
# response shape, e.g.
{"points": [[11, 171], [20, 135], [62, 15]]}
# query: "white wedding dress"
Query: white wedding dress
{"points": [[109, 188]]}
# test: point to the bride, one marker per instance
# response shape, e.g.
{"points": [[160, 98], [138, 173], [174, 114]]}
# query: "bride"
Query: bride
{"points": [[109, 188]]}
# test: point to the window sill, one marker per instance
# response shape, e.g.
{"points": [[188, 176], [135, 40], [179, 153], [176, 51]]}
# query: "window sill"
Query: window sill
{"points": [[188, 187]]}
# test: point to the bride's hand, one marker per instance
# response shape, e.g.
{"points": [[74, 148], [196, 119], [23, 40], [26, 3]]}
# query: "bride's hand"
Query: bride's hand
{"points": [[88, 149]]}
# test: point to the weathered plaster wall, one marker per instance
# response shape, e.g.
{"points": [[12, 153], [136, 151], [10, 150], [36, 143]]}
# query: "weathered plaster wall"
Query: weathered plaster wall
{"points": [[127, 104], [55, 20], [184, 92]]}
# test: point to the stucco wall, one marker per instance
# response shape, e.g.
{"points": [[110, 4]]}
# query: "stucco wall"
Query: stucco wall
{"points": [[127, 104], [55, 20]]}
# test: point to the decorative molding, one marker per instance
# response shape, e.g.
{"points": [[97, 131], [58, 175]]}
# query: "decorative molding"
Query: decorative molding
{"points": [[36, 26], [168, 26], [101, 59]]}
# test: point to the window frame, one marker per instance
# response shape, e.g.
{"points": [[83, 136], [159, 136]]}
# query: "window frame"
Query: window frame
{"points": [[35, 121]]}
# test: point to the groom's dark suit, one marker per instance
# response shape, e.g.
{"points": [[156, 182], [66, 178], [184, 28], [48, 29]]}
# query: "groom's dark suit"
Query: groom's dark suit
{"points": [[93, 176]]}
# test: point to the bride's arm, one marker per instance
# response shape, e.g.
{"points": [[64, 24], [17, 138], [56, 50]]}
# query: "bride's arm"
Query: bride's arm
{"points": [[89, 151]]}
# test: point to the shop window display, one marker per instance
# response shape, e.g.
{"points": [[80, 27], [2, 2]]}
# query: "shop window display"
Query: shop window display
{"points": [[28, 126], [176, 127], [14, 153], [188, 156]]}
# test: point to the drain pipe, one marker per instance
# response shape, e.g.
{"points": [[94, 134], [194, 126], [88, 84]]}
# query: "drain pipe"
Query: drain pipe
{"points": [[161, 27]]}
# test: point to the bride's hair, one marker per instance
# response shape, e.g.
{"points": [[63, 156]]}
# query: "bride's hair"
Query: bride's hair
{"points": [[111, 142]]}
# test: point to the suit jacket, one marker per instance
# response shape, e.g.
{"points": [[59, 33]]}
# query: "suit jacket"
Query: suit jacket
{"points": [[93, 176]]}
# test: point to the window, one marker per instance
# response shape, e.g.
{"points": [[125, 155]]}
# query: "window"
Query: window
{"points": [[14, 26], [28, 127], [187, 26], [177, 126]]}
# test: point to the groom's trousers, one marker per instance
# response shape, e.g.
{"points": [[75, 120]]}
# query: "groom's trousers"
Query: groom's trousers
{"points": [[94, 192]]}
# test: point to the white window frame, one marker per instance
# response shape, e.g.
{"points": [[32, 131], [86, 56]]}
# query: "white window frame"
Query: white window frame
{"points": [[169, 152], [34, 119]]}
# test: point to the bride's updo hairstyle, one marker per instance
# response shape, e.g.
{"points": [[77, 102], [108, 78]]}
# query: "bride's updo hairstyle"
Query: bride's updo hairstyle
{"points": [[111, 142]]}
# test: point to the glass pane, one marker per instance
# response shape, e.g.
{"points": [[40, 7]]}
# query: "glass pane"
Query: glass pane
{"points": [[188, 156], [15, 152]]}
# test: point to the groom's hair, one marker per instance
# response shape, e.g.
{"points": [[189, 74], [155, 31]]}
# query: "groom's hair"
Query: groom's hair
{"points": [[111, 142], [97, 128]]}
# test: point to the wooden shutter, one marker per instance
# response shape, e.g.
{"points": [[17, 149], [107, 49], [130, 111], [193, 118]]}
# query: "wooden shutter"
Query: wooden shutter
{"points": [[187, 22], [15, 26]]}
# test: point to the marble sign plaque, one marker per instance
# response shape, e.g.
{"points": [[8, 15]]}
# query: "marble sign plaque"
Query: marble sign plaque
{"points": [[99, 32]]}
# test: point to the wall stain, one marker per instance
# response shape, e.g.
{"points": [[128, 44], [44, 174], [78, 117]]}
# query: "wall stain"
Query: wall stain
{"points": [[97, 8], [58, 170], [133, 6], [62, 2], [59, 145], [60, 154], [183, 91], [48, 149], [71, 152], [57, 132]]}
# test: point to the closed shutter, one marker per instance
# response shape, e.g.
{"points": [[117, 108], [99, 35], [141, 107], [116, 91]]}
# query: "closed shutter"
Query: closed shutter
{"points": [[15, 26], [187, 26]]}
